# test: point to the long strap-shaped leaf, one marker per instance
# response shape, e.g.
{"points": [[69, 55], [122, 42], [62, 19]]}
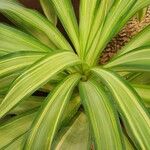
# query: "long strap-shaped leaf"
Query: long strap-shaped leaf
{"points": [[49, 11], [32, 19], [15, 127], [87, 12], [140, 40], [136, 60], [73, 137], [66, 14], [16, 61], [17, 141], [112, 22], [36, 76], [133, 112], [97, 26], [47, 122], [144, 92], [12, 40], [101, 115]]}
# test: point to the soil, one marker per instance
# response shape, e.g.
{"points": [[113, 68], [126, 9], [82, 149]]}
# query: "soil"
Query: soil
{"points": [[126, 34]]}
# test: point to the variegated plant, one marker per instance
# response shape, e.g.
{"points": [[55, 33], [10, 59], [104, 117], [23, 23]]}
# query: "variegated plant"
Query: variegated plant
{"points": [[103, 107]]}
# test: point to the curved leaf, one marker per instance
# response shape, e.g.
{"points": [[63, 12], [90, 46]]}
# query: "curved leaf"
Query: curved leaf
{"points": [[73, 137], [47, 121], [14, 62], [144, 92], [15, 127], [67, 17], [36, 76], [49, 11], [133, 113], [137, 60], [12, 40], [97, 26], [106, 130], [110, 27], [87, 13], [140, 40], [30, 19]]}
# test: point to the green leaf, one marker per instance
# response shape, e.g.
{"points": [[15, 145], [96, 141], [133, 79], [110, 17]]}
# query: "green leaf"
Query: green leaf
{"points": [[31, 19], [143, 78], [97, 25], [133, 113], [67, 17], [12, 40], [17, 144], [47, 121], [30, 103], [36, 76], [100, 111], [49, 11], [15, 127], [128, 144], [114, 17], [74, 136], [140, 40], [136, 60], [71, 110], [87, 13], [14, 62], [7, 81], [142, 14], [144, 92]]}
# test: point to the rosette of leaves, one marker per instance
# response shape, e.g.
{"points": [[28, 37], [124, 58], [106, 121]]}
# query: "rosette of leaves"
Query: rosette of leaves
{"points": [[84, 105]]}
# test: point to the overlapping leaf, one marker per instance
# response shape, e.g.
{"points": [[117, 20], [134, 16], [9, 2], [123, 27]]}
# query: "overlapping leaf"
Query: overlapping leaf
{"points": [[140, 40], [97, 25], [112, 22], [67, 16], [16, 61], [48, 120], [136, 60], [30, 19], [15, 128], [87, 13], [49, 11], [102, 116], [144, 92], [75, 136], [133, 113], [12, 40], [36, 76]]}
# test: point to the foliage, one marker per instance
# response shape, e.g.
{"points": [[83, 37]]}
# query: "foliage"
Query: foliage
{"points": [[83, 104]]}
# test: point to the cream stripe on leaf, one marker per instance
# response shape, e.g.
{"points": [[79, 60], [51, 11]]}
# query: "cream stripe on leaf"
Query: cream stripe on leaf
{"points": [[68, 19], [30, 19], [36, 76], [14, 62], [112, 22], [49, 11], [47, 121], [140, 40], [16, 141], [133, 113], [97, 26], [77, 135], [15, 127], [136, 60], [12, 40], [87, 13], [102, 116]]}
